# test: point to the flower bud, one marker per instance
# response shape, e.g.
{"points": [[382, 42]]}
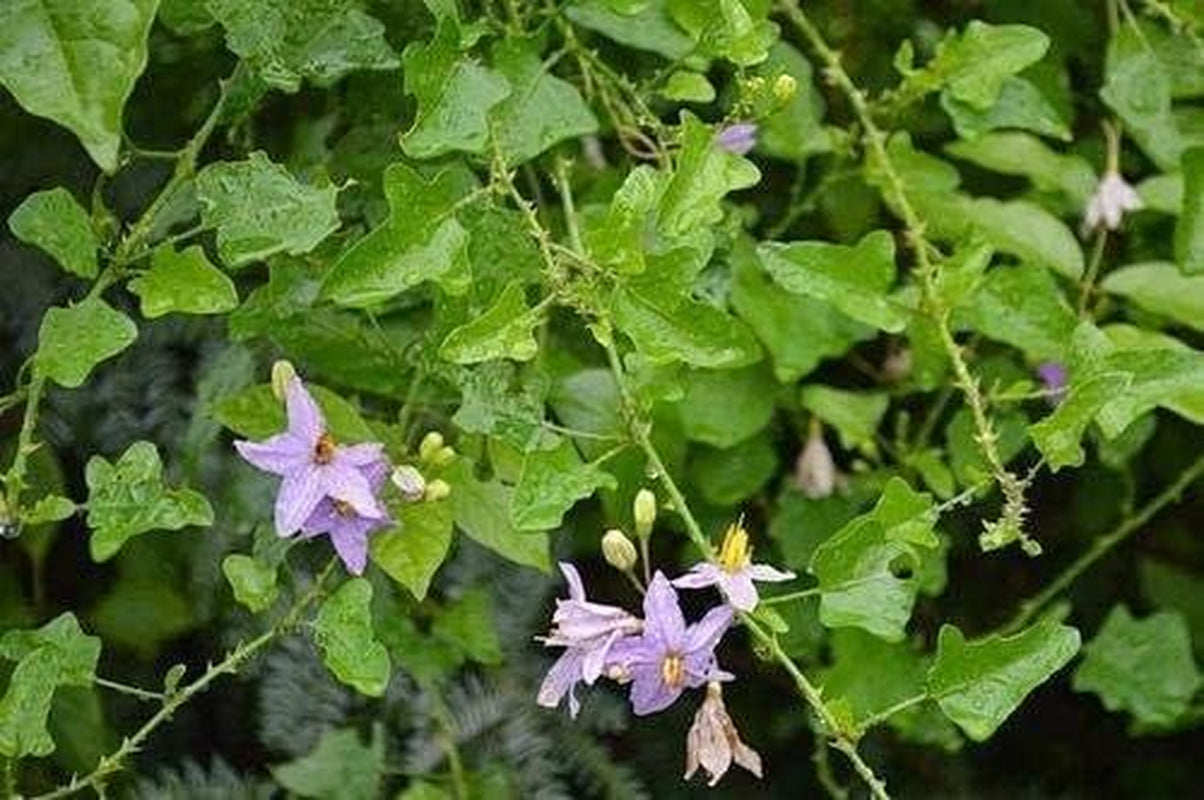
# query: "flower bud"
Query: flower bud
{"points": [[410, 482], [437, 490], [443, 456], [815, 471], [784, 88], [644, 509], [897, 364], [431, 444], [283, 374], [618, 550]]}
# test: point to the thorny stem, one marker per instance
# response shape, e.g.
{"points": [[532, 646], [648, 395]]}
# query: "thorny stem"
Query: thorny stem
{"points": [[133, 691], [230, 665], [895, 192], [1103, 545]]}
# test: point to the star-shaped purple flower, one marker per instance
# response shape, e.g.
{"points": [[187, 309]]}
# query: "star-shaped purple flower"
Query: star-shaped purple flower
{"points": [[734, 573], [312, 464], [347, 528], [588, 631], [668, 656], [738, 138]]}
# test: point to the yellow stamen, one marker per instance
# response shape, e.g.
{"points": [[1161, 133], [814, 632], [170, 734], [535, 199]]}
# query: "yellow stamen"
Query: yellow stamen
{"points": [[734, 553], [673, 671], [324, 449]]}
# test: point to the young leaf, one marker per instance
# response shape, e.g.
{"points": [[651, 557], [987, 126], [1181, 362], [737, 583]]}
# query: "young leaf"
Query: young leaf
{"points": [[420, 241], [129, 498], [454, 96], [57, 654], [704, 174], [343, 632], [339, 767], [618, 239], [1161, 288], [665, 329], [75, 62], [260, 209], [253, 581], [855, 415], [505, 330], [51, 508], [183, 282], [979, 684], [868, 571], [541, 109], [411, 552], [724, 29], [480, 510], [1024, 307], [71, 341], [856, 280], [1020, 105], [1144, 667], [552, 481], [1058, 435], [53, 221], [288, 41], [1189, 228]]}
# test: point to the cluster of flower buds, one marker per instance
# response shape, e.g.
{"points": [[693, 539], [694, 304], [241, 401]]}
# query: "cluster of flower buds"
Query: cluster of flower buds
{"points": [[328, 488], [659, 655]]}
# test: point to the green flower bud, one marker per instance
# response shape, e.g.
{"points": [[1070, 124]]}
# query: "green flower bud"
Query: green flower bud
{"points": [[283, 374], [618, 550], [443, 456], [409, 481], [784, 89], [437, 490], [644, 510], [431, 444]]}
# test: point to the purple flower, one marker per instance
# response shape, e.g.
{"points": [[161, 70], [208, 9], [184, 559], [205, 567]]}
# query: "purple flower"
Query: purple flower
{"points": [[312, 464], [347, 528], [737, 139], [588, 631], [734, 573], [713, 742], [1053, 375], [668, 656]]}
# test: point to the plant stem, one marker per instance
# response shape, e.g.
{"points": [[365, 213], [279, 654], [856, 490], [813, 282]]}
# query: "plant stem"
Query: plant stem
{"points": [[895, 193], [1103, 545], [1088, 285], [133, 691], [791, 597], [229, 665], [887, 713]]}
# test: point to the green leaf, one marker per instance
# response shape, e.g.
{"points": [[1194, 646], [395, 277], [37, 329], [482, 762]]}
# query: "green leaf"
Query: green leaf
{"points": [[618, 239], [505, 330], [1137, 88], [343, 632], [1020, 105], [868, 571], [704, 173], [1058, 435], [183, 282], [480, 510], [854, 279], [75, 62], [57, 654], [1144, 667], [798, 331], [289, 41], [71, 341], [1022, 154], [1160, 287], [129, 498], [648, 28], [253, 581], [724, 407], [51, 508], [260, 209], [1189, 228], [505, 402], [53, 221], [256, 414], [688, 87], [541, 111], [1024, 230], [411, 552], [552, 481], [469, 626], [727, 477], [1023, 306], [665, 329], [454, 94], [855, 415], [339, 767], [979, 684], [724, 29], [420, 241]]}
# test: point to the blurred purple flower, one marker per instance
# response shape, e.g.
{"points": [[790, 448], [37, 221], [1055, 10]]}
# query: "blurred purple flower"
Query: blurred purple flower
{"points": [[1053, 375], [312, 464], [588, 631], [734, 573], [668, 656], [737, 139], [1113, 197], [347, 528]]}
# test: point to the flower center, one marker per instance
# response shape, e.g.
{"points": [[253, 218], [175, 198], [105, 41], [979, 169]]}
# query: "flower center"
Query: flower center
{"points": [[734, 553], [343, 508], [324, 449], [673, 671]]}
